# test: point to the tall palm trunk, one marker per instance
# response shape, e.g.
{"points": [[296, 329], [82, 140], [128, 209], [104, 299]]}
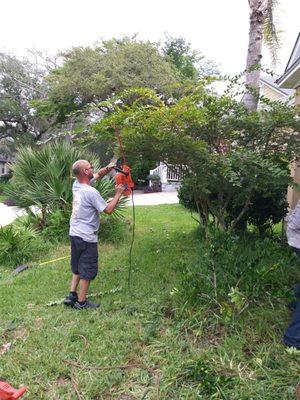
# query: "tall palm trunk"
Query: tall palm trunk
{"points": [[258, 10]]}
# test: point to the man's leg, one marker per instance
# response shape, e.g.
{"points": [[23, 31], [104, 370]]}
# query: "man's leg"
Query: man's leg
{"points": [[87, 268], [84, 287], [72, 297], [292, 333], [74, 282], [293, 304], [82, 301]]}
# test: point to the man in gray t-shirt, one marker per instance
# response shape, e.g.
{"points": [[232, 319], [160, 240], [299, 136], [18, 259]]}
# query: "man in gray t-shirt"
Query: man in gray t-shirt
{"points": [[84, 226], [87, 204]]}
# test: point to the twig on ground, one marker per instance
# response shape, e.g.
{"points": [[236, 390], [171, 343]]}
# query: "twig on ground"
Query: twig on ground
{"points": [[243, 309], [74, 384], [126, 366], [97, 294], [84, 338], [123, 367]]}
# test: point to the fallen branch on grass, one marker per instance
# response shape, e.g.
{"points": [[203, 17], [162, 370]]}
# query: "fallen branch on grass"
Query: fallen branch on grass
{"points": [[84, 338], [74, 384], [122, 367], [96, 294]]}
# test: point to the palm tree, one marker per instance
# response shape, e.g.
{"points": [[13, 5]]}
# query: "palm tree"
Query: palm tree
{"points": [[42, 177], [262, 28]]}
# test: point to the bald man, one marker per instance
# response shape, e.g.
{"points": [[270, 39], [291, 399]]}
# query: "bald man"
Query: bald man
{"points": [[84, 226]]}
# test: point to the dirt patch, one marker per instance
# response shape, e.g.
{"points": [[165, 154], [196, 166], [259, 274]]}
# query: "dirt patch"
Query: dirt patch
{"points": [[20, 333]]}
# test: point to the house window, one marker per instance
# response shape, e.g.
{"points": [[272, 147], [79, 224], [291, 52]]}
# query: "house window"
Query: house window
{"points": [[3, 170]]}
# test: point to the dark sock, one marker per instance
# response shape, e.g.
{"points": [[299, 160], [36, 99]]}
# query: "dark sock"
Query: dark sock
{"points": [[73, 294], [82, 303]]}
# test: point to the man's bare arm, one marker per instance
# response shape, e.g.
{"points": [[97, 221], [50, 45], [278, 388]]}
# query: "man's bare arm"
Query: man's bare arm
{"points": [[103, 171], [112, 204]]}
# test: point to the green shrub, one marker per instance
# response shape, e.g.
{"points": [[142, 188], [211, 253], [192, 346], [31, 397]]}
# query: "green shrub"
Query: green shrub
{"points": [[233, 271], [112, 229], [57, 226], [29, 220], [268, 204], [5, 178], [238, 188], [2, 186], [209, 381], [19, 244]]}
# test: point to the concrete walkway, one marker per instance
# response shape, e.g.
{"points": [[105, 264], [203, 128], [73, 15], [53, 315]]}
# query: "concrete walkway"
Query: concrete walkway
{"points": [[151, 199], [9, 214]]}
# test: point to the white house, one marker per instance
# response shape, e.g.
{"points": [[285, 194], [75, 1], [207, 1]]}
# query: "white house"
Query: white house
{"points": [[270, 89], [170, 176]]}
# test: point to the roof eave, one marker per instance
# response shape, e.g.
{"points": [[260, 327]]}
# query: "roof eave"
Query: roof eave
{"points": [[291, 78], [292, 53], [275, 88]]}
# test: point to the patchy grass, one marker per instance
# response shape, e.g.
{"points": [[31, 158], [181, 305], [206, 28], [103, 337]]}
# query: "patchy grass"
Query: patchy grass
{"points": [[167, 348]]}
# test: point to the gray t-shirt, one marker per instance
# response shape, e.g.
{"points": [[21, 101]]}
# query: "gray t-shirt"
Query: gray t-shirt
{"points": [[87, 204], [293, 227]]}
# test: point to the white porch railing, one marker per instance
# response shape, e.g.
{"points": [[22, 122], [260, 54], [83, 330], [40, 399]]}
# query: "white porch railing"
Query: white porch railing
{"points": [[168, 173]]}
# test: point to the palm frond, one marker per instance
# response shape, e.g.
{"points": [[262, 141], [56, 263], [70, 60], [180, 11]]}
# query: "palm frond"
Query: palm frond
{"points": [[271, 33], [43, 177]]}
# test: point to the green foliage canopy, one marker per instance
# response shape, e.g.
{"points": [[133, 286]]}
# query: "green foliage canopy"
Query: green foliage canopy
{"points": [[228, 154], [92, 74], [191, 63]]}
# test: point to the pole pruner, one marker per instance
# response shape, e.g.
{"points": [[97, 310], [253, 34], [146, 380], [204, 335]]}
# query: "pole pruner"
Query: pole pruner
{"points": [[7, 392], [123, 176]]}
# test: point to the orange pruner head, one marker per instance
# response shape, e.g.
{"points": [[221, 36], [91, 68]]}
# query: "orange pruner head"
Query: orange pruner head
{"points": [[123, 177], [7, 392]]}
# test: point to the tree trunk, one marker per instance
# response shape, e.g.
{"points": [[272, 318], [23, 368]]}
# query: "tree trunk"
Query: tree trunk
{"points": [[258, 10]]}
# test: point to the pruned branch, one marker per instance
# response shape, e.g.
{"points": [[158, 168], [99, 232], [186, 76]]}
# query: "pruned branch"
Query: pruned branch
{"points": [[122, 367]]}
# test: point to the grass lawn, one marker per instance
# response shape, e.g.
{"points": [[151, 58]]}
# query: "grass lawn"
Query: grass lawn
{"points": [[165, 350]]}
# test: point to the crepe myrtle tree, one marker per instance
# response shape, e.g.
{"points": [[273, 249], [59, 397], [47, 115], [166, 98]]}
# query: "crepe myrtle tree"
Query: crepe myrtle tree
{"points": [[230, 157], [232, 184]]}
